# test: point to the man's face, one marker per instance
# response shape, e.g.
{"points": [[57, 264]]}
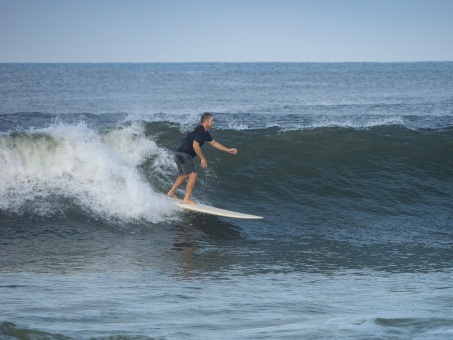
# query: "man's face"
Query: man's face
{"points": [[210, 123]]}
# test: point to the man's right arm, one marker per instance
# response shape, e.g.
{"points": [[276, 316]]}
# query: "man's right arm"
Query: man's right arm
{"points": [[197, 148]]}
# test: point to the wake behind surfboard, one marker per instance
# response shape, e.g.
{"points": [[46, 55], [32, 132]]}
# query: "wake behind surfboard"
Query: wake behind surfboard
{"points": [[206, 209]]}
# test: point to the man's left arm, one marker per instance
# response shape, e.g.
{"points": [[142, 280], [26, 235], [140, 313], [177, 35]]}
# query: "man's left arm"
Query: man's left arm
{"points": [[219, 146]]}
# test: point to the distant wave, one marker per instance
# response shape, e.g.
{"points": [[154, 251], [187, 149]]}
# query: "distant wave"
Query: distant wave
{"points": [[227, 121], [349, 122], [292, 122]]}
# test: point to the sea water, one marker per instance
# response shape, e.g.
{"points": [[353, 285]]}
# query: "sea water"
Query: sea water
{"points": [[350, 164]]}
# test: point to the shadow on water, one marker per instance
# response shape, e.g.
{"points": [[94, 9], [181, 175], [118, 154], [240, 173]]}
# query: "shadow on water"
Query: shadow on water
{"points": [[66, 244], [196, 245]]}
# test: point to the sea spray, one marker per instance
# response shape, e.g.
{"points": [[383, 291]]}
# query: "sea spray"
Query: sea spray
{"points": [[74, 162]]}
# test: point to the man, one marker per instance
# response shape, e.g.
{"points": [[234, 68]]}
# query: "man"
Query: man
{"points": [[186, 152]]}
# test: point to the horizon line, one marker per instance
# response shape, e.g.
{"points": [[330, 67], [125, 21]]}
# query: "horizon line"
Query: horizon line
{"points": [[222, 62]]}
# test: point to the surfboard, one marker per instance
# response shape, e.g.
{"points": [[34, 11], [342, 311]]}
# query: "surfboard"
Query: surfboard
{"points": [[206, 209]]}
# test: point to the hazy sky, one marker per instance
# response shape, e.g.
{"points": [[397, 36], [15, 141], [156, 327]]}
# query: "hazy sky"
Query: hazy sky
{"points": [[225, 30]]}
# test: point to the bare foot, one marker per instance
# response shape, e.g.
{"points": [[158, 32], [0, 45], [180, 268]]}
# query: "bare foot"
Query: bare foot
{"points": [[172, 196], [189, 202]]}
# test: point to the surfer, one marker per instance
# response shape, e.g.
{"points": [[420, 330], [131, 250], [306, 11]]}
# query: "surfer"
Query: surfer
{"points": [[186, 151]]}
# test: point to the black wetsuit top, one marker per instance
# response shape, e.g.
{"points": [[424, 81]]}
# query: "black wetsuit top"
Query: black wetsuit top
{"points": [[200, 135]]}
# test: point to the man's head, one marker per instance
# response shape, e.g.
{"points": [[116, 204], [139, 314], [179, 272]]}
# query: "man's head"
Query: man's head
{"points": [[207, 120]]}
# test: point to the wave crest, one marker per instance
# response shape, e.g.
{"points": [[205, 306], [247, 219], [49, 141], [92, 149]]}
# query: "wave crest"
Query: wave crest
{"points": [[78, 165]]}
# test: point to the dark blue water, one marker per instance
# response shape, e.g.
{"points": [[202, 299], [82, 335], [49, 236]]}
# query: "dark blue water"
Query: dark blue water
{"points": [[350, 164]]}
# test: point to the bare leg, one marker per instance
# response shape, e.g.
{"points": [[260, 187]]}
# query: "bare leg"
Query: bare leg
{"points": [[189, 188], [180, 180]]}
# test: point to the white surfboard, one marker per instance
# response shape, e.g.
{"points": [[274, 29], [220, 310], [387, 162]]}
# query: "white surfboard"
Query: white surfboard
{"points": [[206, 209]]}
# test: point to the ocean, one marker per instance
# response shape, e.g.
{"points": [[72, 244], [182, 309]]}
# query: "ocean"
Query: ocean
{"points": [[350, 164]]}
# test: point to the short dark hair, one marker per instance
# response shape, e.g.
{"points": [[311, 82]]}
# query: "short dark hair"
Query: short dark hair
{"points": [[205, 116]]}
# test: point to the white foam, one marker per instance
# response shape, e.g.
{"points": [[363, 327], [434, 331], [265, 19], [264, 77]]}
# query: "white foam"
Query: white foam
{"points": [[358, 123], [98, 173]]}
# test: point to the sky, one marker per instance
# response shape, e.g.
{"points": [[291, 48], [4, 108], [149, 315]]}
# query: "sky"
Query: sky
{"points": [[226, 30]]}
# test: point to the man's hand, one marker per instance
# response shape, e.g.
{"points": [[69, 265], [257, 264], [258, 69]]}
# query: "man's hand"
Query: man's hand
{"points": [[204, 163], [233, 151]]}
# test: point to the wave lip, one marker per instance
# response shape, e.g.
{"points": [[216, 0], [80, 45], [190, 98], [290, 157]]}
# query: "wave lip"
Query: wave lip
{"points": [[243, 121], [357, 123], [75, 164]]}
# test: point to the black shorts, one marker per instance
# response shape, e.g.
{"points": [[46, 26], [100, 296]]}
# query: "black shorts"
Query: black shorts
{"points": [[185, 163]]}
